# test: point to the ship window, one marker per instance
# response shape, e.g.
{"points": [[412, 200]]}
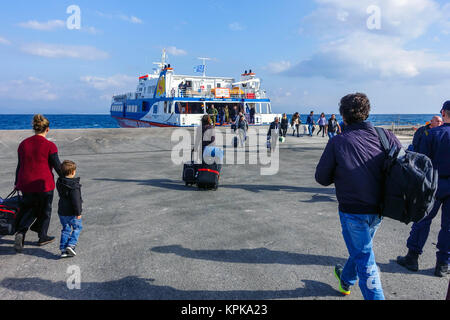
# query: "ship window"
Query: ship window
{"points": [[155, 109], [145, 107]]}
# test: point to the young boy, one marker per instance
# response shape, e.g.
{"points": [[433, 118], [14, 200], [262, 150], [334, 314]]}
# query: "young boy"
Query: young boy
{"points": [[69, 208]]}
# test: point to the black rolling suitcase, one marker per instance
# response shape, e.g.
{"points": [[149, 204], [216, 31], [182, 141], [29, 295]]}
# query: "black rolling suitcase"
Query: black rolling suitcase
{"points": [[208, 176], [190, 172], [9, 214]]}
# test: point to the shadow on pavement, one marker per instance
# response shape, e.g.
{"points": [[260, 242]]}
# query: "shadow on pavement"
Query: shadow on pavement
{"points": [[135, 288], [179, 185], [257, 256], [30, 249]]}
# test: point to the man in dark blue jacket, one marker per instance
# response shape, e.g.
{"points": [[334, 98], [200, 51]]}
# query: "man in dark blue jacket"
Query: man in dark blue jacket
{"points": [[353, 161], [436, 145], [311, 123]]}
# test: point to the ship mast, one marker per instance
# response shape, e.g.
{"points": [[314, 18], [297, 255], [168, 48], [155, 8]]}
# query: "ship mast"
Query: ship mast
{"points": [[204, 65], [163, 61]]}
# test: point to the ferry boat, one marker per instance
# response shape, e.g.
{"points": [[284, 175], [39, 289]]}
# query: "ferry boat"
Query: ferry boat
{"points": [[165, 99]]}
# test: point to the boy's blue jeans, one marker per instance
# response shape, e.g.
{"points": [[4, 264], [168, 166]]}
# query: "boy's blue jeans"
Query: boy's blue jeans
{"points": [[70, 232], [358, 231]]}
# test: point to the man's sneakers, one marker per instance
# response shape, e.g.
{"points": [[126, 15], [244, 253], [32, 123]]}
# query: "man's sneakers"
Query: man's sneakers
{"points": [[19, 242], [71, 252], [441, 270], [68, 253], [44, 241], [343, 288], [410, 261]]}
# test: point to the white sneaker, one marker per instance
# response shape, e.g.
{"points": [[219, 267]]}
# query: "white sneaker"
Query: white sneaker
{"points": [[71, 252]]}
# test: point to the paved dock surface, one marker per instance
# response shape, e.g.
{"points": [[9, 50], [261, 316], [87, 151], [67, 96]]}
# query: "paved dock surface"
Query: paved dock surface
{"points": [[147, 236]]}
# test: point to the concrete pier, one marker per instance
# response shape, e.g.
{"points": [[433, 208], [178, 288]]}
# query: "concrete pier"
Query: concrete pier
{"points": [[147, 236]]}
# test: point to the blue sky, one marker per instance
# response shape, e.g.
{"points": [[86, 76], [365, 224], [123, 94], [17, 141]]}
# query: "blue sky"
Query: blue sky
{"points": [[308, 53]]}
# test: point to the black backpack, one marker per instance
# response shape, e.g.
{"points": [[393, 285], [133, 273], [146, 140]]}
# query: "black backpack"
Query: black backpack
{"points": [[410, 183]]}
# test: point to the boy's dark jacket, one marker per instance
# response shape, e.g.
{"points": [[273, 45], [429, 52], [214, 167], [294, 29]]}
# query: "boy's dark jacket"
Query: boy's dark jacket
{"points": [[70, 201]]}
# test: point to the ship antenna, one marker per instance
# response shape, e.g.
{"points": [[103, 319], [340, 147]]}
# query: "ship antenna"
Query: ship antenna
{"points": [[204, 65]]}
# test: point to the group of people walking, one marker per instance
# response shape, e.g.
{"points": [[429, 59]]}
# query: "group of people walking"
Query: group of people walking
{"points": [[353, 161], [329, 127]]}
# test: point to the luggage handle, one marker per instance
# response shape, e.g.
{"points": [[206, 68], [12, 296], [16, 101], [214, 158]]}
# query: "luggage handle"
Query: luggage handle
{"points": [[13, 193]]}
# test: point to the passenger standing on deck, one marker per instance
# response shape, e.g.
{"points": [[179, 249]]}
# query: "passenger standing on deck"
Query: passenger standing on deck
{"points": [[354, 162], [311, 123], [423, 132], [227, 114], [252, 115], [34, 177], [284, 125], [322, 125], [221, 115], [435, 145]]}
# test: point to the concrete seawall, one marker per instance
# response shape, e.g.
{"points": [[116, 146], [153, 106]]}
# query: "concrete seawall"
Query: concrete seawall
{"points": [[147, 236]]}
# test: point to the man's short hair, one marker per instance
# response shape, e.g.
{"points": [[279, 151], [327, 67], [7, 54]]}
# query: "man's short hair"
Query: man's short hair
{"points": [[68, 167], [355, 108]]}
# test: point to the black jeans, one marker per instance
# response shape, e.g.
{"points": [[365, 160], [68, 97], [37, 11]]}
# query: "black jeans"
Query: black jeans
{"points": [[36, 212], [322, 129]]}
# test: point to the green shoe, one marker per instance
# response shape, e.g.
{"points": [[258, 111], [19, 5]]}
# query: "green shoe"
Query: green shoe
{"points": [[343, 288]]}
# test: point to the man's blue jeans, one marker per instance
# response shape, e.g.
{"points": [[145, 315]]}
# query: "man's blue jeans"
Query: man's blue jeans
{"points": [[358, 231], [71, 231], [310, 129], [421, 230], [331, 135]]}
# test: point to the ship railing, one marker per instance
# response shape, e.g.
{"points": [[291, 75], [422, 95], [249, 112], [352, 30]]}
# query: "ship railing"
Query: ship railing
{"points": [[206, 94]]}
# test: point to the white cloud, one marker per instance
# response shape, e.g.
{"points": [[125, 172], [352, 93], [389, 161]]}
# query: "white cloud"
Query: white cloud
{"points": [[236, 26], [43, 26], [91, 30], [115, 82], [134, 19], [4, 41], [64, 51], [407, 19], [278, 67], [360, 54], [175, 51], [28, 89], [124, 17]]}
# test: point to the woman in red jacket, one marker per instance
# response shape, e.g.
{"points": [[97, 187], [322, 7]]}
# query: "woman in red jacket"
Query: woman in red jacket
{"points": [[34, 177]]}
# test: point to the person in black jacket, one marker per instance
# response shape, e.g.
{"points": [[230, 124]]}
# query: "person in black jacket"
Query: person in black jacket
{"points": [[69, 208], [284, 125]]}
